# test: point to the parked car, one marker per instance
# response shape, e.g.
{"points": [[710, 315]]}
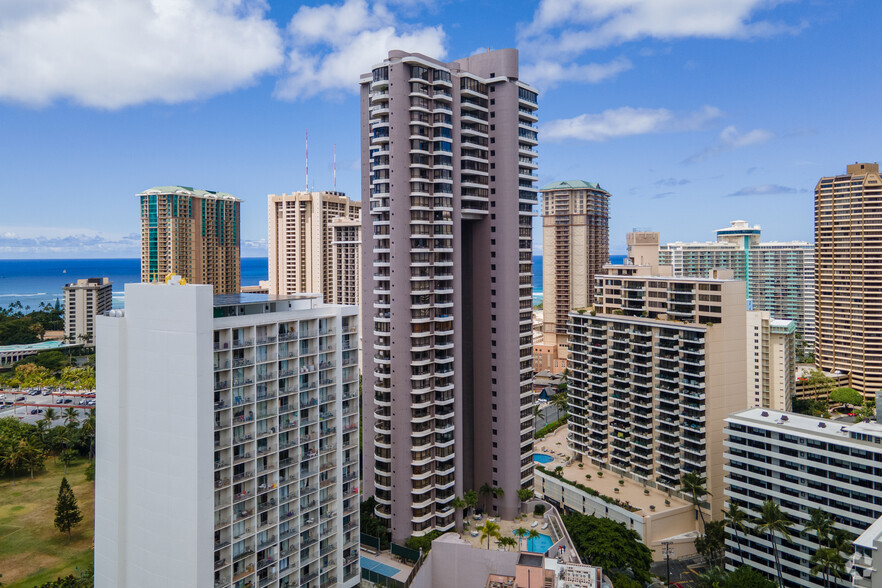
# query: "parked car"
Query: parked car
{"points": [[68, 401], [20, 399], [37, 411]]}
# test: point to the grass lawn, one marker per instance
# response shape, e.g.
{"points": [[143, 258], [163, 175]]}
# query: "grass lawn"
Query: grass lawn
{"points": [[32, 550]]}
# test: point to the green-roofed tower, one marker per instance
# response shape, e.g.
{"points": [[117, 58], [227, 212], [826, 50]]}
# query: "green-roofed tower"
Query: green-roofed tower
{"points": [[575, 246]]}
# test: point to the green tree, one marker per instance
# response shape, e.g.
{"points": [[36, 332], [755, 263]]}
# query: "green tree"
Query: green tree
{"points": [[67, 457], [71, 417], [532, 534], [67, 513], [747, 577], [489, 530], [712, 545], [525, 495], [458, 504], [88, 430], [713, 577], [821, 523], [847, 396], [693, 484], [14, 456], [521, 534], [50, 415], [736, 519], [471, 500], [610, 545], [507, 542], [774, 522], [820, 384], [486, 490]]}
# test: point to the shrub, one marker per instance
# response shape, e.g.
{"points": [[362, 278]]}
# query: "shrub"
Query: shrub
{"points": [[587, 476], [539, 510], [90, 472], [599, 473], [621, 482], [550, 427]]}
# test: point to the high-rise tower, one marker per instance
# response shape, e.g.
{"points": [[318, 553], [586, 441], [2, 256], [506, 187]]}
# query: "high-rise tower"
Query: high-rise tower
{"points": [[848, 309], [447, 164], [192, 233], [575, 247]]}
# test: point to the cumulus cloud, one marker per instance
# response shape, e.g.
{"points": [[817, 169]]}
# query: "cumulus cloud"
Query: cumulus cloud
{"points": [[626, 121], [111, 55], [764, 190], [547, 74], [729, 140], [333, 44], [574, 26]]}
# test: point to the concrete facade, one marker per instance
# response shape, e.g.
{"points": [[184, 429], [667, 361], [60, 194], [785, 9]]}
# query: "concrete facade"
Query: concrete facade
{"points": [[848, 225], [771, 361], [227, 445], [191, 233], [83, 301], [575, 247], [780, 276], [315, 245], [447, 165]]}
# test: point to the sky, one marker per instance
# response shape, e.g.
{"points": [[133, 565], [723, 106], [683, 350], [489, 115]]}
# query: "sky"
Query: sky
{"points": [[691, 113]]}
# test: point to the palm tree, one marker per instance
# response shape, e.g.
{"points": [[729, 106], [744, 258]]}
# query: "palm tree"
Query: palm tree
{"points": [[533, 534], [736, 519], [88, 429], [457, 504], [471, 500], [521, 534], [485, 491], [507, 542], [821, 523], [15, 455], [693, 483], [773, 521], [71, 418], [488, 530], [49, 416], [525, 494]]}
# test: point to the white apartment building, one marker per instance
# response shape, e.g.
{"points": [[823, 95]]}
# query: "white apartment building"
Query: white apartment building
{"points": [[780, 276], [655, 368], [771, 361], [83, 301], [227, 445], [801, 463]]}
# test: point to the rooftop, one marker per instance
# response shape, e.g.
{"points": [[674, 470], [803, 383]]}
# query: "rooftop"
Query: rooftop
{"points": [[572, 184], [817, 426], [188, 191]]}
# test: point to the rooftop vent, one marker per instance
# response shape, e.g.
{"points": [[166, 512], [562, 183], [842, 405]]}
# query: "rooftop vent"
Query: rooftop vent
{"points": [[764, 413], [784, 417], [843, 429], [822, 425]]}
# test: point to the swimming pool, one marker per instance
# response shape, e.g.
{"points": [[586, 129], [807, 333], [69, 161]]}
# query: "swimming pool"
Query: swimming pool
{"points": [[542, 458], [540, 544]]}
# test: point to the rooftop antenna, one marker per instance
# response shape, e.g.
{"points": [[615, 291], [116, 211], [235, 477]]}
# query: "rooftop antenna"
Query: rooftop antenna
{"points": [[307, 160], [335, 167]]}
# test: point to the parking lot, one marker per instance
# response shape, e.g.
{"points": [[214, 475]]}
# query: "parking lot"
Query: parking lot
{"points": [[29, 405]]}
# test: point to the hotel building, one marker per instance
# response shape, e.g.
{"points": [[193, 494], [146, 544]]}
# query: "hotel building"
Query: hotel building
{"points": [[83, 301], [227, 441], [447, 166], [655, 367], [802, 463], [780, 276], [771, 361], [575, 247], [315, 245], [191, 233], [848, 227]]}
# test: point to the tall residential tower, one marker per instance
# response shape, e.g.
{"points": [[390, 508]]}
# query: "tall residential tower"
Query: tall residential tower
{"points": [[447, 165], [575, 247], [83, 301], [848, 238], [304, 228], [192, 233]]}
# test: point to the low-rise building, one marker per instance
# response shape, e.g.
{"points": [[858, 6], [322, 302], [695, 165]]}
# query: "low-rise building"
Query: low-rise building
{"points": [[802, 463]]}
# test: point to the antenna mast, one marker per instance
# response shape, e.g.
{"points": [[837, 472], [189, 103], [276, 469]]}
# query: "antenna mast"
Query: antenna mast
{"points": [[307, 160], [335, 167]]}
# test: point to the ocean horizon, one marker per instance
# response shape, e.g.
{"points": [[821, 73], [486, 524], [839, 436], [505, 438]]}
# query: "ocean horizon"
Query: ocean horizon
{"points": [[32, 281]]}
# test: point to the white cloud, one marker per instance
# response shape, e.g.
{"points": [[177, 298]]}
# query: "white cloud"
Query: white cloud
{"points": [[111, 55], [729, 140], [626, 121], [546, 74], [764, 190], [333, 44], [27, 241], [588, 24]]}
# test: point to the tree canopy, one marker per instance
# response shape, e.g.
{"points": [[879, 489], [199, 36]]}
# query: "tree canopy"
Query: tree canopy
{"points": [[847, 395], [610, 545]]}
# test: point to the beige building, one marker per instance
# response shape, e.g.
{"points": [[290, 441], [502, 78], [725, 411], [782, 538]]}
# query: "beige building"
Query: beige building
{"points": [[314, 246], [83, 301], [191, 233], [848, 309], [575, 247], [655, 367], [771, 361]]}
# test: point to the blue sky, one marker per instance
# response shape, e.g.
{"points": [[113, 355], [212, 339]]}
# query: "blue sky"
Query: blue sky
{"points": [[691, 113]]}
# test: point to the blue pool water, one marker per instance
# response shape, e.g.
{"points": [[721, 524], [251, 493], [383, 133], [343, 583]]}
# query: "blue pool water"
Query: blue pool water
{"points": [[542, 458], [540, 544]]}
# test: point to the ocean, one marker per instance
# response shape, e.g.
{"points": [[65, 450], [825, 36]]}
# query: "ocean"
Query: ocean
{"points": [[32, 281]]}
